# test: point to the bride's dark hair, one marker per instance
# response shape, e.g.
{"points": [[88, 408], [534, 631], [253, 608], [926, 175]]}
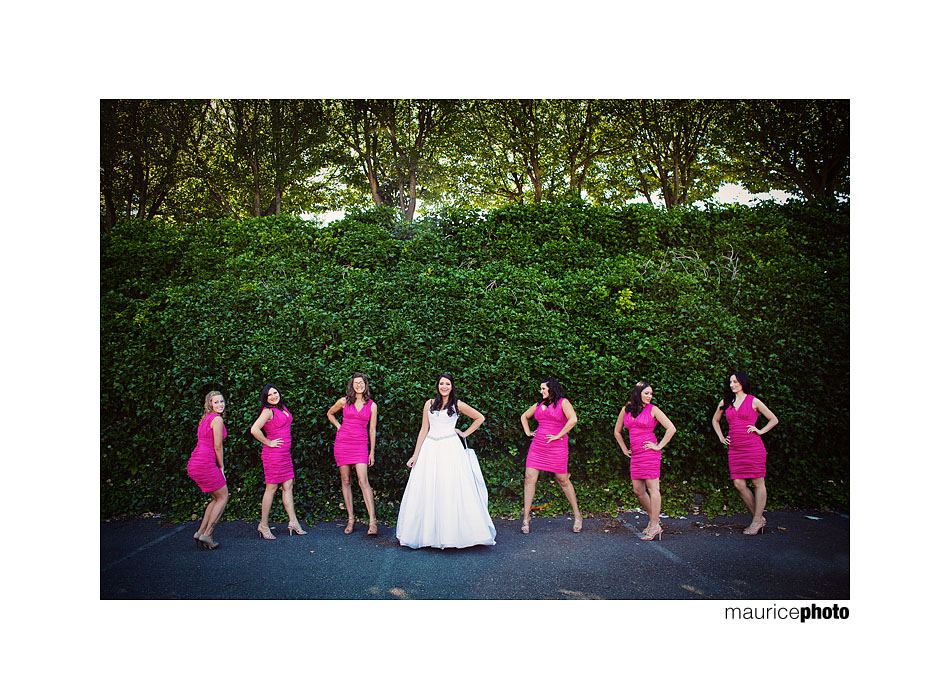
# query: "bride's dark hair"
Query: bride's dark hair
{"points": [[452, 404]]}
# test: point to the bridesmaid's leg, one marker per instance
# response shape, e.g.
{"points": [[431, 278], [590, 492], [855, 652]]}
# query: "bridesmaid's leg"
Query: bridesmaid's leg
{"points": [[760, 496], [206, 519], [745, 493], [347, 497], [266, 502], [287, 497], [639, 488], [219, 499], [530, 483], [564, 480], [653, 486], [363, 477]]}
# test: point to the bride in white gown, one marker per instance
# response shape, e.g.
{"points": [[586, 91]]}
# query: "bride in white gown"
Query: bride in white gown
{"points": [[443, 505]]}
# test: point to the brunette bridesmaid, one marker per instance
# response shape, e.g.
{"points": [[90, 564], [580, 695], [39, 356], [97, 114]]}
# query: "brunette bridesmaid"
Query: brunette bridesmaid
{"points": [[640, 417], [746, 450], [206, 466], [275, 418], [350, 447], [548, 452]]}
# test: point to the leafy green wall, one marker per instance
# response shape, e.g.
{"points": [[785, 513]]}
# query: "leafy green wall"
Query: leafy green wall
{"points": [[599, 297]]}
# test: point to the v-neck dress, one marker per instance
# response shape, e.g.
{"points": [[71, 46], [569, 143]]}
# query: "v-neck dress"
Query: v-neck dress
{"points": [[203, 466], [351, 445], [278, 467], [746, 450], [644, 463], [543, 455]]}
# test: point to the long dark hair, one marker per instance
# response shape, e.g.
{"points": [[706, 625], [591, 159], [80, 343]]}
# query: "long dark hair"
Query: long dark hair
{"points": [[452, 404], [280, 404], [351, 392], [555, 391], [635, 403], [728, 397]]}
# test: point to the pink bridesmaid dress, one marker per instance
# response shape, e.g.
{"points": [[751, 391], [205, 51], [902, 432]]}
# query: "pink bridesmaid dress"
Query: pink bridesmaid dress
{"points": [[543, 455], [203, 465], [351, 445], [746, 450], [278, 467], [644, 463]]}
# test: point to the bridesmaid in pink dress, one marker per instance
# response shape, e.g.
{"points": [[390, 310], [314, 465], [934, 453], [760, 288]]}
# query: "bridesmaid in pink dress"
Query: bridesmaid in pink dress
{"points": [[206, 466], [746, 450], [350, 445], [640, 417], [548, 452], [275, 455]]}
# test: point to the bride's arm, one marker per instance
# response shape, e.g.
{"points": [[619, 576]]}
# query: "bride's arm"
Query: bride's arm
{"points": [[477, 419], [423, 431]]}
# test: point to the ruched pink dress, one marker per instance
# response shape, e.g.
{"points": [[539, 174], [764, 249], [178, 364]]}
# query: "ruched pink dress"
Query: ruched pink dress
{"points": [[351, 445], [278, 467], [746, 450], [203, 465], [543, 455], [644, 463]]}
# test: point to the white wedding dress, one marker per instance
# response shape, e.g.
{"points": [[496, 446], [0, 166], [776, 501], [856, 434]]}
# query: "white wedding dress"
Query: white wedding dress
{"points": [[445, 503]]}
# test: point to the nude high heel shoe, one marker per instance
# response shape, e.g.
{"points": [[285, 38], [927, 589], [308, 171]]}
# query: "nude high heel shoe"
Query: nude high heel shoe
{"points": [[207, 542]]}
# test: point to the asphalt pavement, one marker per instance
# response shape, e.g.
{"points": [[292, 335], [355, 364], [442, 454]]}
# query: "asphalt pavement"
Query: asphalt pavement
{"points": [[801, 555]]}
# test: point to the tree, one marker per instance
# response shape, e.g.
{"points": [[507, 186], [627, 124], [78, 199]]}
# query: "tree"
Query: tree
{"points": [[513, 151], [142, 144], [394, 145], [262, 157], [670, 147], [800, 146]]}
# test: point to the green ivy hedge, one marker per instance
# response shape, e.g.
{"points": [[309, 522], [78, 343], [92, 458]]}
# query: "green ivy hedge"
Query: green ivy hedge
{"points": [[599, 297]]}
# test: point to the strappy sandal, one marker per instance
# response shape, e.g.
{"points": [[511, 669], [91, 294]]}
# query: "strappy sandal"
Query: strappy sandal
{"points": [[265, 533], [371, 530], [578, 524], [525, 528], [350, 524]]}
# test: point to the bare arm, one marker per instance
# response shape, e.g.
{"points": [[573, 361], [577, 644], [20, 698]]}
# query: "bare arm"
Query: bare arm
{"points": [[477, 419], [667, 436], [618, 433], [571, 421], [422, 435], [217, 425], [763, 409], [718, 428], [372, 435], [266, 415], [524, 419], [334, 409]]}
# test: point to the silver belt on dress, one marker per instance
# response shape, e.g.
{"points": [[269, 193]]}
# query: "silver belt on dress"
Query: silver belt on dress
{"points": [[441, 437]]}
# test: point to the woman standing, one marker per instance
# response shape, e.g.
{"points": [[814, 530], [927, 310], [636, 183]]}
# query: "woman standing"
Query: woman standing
{"points": [[350, 445], [442, 505], [275, 455], [206, 466], [640, 417], [746, 450], [548, 452]]}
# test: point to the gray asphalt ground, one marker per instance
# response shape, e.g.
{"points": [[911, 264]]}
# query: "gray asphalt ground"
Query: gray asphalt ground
{"points": [[802, 555]]}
